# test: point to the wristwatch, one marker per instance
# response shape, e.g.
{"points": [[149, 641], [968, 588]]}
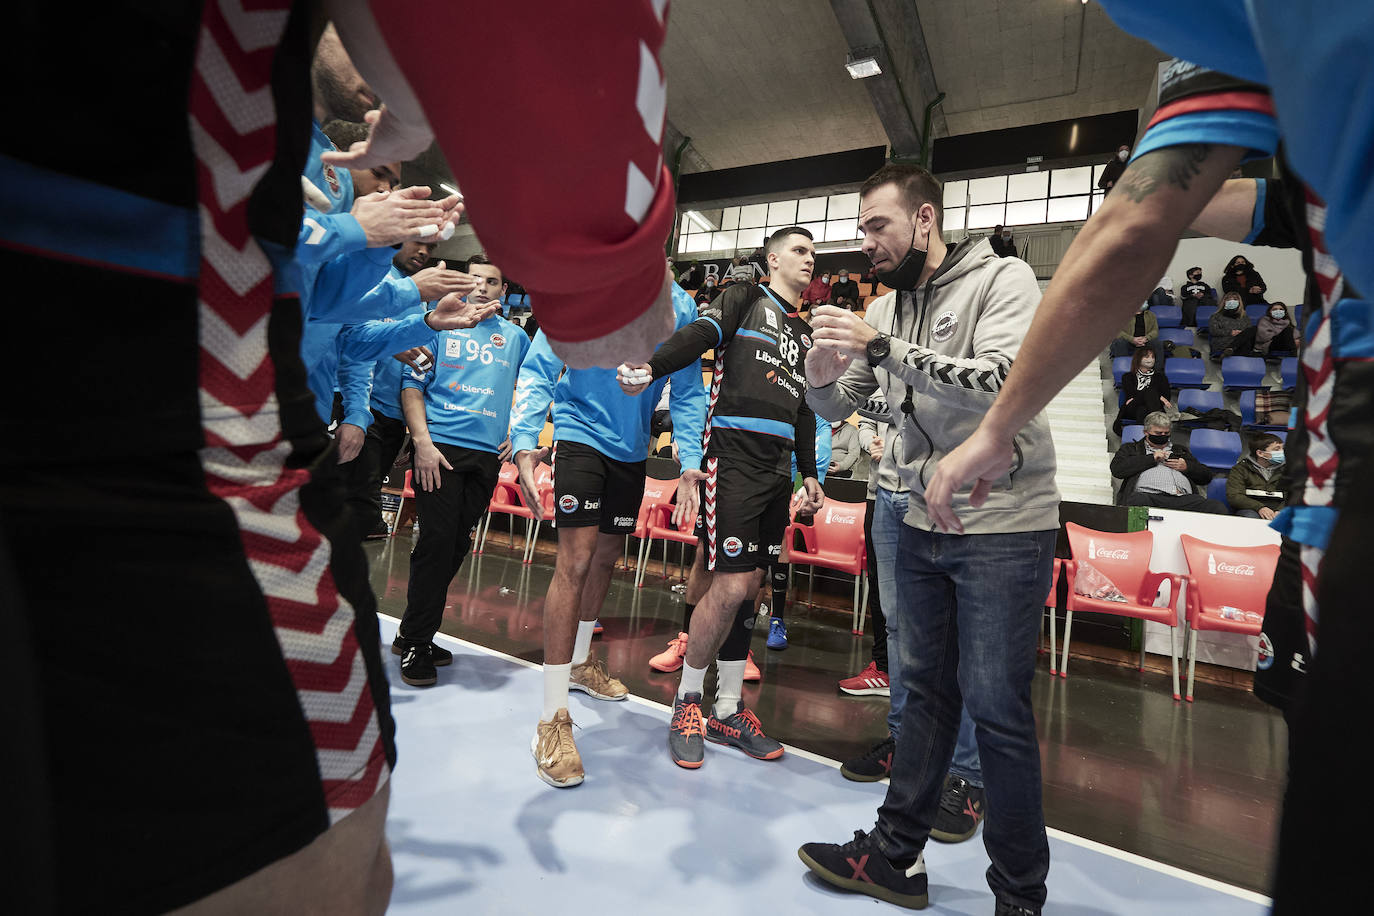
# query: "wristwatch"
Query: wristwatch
{"points": [[878, 348]]}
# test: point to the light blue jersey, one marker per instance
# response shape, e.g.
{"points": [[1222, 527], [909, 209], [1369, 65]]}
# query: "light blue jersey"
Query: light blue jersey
{"points": [[590, 408], [468, 390], [366, 381]]}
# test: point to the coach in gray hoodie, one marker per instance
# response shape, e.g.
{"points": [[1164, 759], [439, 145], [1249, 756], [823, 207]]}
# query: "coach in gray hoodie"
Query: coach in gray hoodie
{"points": [[970, 604]]}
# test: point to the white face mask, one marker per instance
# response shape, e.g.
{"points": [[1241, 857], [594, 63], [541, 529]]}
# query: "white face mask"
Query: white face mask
{"points": [[1123, 155], [1006, 235], [825, 278], [1231, 305], [1277, 313]]}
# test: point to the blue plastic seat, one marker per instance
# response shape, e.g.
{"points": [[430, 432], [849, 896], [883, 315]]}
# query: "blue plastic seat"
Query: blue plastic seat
{"points": [[1219, 449], [1132, 434], [1120, 366], [1199, 402], [1187, 373], [1288, 371], [1247, 414], [1181, 337], [1168, 316], [1243, 372], [1257, 311], [1217, 490], [1204, 316]]}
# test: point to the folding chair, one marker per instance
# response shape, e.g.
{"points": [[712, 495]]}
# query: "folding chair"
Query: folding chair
{"points": [[1227, 589], [835, 540]]}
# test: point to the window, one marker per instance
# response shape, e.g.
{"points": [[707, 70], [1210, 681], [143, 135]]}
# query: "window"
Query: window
{"points": [[1025, 212], [956, 194], [811, 209], [986, 216], [1071, 181], [1065, 209], [954, 219], [1029, 186], [988, 190], [720, 241], [753, 216], [730, 218], [841, 230], [782, 213], [843, 206]]}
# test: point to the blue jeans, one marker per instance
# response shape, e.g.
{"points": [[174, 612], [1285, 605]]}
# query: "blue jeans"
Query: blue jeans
{"points": [[888, 511], [969, 616]]}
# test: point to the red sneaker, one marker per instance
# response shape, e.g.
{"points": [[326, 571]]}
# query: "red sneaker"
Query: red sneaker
{"points": [[670, 659], [751, 670], [869, 682]]}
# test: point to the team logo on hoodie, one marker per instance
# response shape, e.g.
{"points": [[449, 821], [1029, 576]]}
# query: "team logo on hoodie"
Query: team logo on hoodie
{"points": [[944, 327]]}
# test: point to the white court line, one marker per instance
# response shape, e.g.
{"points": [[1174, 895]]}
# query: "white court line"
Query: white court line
{"points": [[1073, 838]]}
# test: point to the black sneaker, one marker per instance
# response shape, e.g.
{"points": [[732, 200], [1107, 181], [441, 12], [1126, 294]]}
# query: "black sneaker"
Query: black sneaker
{"points": [[685, 732], [744, 731], [438, 654], [1011, 909], [417, 666], [860, 865], [961, 809], [873, 765]]}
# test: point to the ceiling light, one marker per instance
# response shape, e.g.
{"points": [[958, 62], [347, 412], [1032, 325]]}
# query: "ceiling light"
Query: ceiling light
{"points": [[862, 63], [700, 221]]}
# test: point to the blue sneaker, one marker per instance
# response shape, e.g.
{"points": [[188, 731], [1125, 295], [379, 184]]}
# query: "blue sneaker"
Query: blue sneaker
{"points": [[597, 628], [777, 633]]}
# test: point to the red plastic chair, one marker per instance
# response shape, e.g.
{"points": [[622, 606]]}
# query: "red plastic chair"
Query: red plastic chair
{"points": [[407, 492], [1051, 603], [658, 526], [835, 540], [509, 501], [656, 492], [1220, 576], [1125, 559]]}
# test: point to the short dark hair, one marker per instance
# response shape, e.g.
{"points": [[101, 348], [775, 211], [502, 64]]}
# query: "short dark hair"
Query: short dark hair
{"points": [[1263, 440], [917, 187], [1191, 269], [1138, 355], [344, 134], [481, 258], [777, 238]]}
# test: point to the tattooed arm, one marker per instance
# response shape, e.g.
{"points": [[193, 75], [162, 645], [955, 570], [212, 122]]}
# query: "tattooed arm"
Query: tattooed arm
{"points": [[1112, 266]]}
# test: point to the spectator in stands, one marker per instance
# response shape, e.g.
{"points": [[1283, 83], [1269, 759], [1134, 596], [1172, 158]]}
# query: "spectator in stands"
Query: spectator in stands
{"points": [[1144, 390], [1241, 277], [845, 292], [1115, 166], [1274, 331], [708, 292], [1195, 293], [692, 275], [1224, 330], [844, 449], [1254, 488], [1001, 241], [1140, 331], [871, 278], [740, 269], [1163, 294], [1155, 472], [817, 292]]}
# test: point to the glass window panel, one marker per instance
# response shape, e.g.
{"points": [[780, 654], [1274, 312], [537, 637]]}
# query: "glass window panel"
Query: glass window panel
{"points": [[1064, 209], [1071, 181], [988, 190], [699, 241], [841, 230], [1097, 173], [843, 206], [811, 209], [767, 233], [817, 231], [753, 216], [685, 225], [1028, 186], [749, 239], [1097, 201], [720, 241], [730, 218], [956, 193], [1025, 212], [954, 219], [985, 217], [782, 212]]}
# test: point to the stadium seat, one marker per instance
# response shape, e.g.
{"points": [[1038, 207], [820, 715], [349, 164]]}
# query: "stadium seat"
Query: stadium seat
{"points": [[1217, 490], [1227, 589], [1187, 373], [1168, 316], [658, 526], [1125, 560], [1219, 449], [1204, 316], [1247, 414], [1180, 337], [1257, 311], [1198, 402], [1120, 366], [656, 493], [1288, 372], [835, 540], [1243, 372], [1132, 434]]}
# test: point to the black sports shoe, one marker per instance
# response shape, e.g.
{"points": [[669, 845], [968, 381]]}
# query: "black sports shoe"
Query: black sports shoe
{"points": [[417, 666], [744, 731], [961, 808], [685, 732], [860, 865], [438, 654], [873, 765], [1011, 909]]}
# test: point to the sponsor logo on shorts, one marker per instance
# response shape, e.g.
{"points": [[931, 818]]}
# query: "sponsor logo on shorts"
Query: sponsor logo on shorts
{"points": [[1266, 652], [753, 547], [623, 521], [944, 327], [592, 504], [775, 550], [567, 502], [732, 546], [498, 341]]}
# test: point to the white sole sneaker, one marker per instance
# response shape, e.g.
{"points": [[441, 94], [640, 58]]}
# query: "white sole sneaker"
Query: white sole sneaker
{"points": [[573, 685], [868, 691], [538, 771]]}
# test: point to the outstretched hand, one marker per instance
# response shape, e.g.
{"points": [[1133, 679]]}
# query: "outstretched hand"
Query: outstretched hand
{"points": [[387, 141], [454, 313], [981, 459]]}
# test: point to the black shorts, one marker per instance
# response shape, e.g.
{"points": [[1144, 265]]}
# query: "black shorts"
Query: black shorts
{"points": [[744, 514], [203, 641], [591, 489]]}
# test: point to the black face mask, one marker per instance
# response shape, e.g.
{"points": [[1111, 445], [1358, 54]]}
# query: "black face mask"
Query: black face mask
{"points": [[1158, 440], [908, 273]]}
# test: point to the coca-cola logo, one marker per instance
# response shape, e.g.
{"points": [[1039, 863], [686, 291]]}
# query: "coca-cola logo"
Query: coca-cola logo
{"points": [[1236, 569], [1113, 553]]}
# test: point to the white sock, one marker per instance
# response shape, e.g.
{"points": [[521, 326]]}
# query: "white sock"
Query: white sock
{"points": [[555, 689], [693, 680], [583, 645], [729, 687]]}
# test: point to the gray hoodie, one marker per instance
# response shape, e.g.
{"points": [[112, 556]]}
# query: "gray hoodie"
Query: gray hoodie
{"points": [[953, 342]]}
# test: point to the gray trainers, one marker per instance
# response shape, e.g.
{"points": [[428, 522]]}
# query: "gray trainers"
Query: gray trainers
{"points": [[686, 733]]}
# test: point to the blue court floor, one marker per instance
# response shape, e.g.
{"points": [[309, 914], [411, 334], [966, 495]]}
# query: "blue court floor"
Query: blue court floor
{"points": [[473, 830]]}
